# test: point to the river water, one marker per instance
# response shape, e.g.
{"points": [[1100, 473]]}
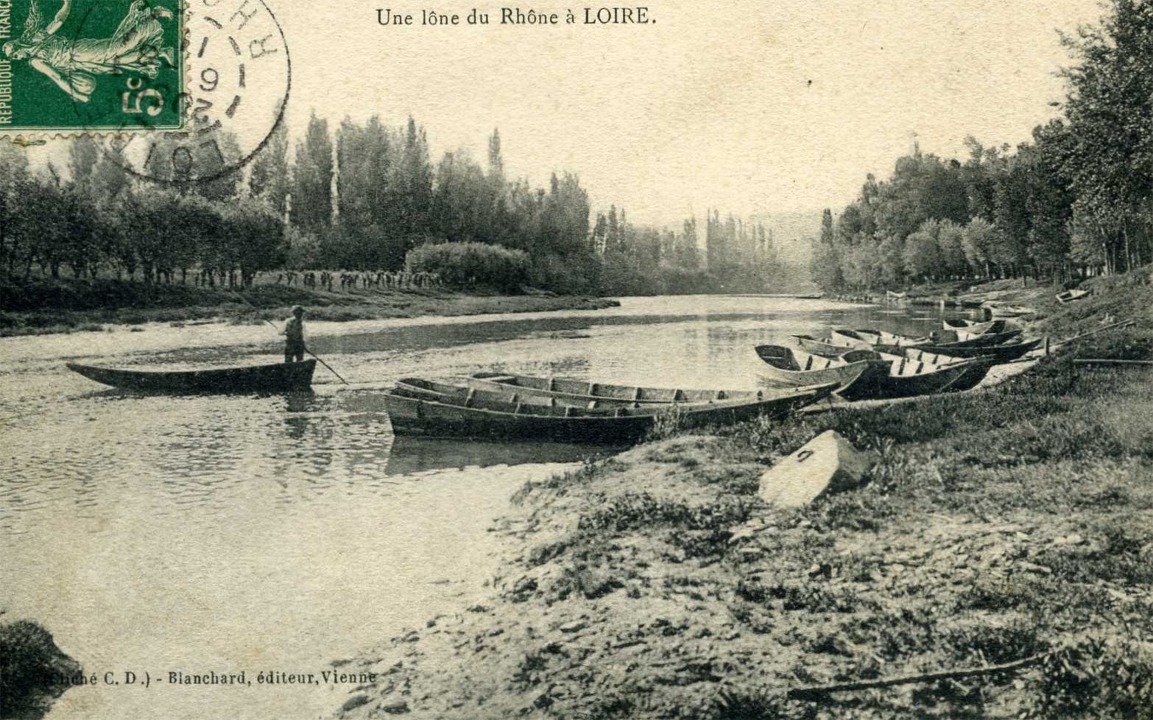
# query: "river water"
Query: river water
{"points": [[159, 534]]}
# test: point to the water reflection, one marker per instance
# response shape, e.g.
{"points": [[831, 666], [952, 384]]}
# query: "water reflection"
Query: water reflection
{"points": [[412, 455]]}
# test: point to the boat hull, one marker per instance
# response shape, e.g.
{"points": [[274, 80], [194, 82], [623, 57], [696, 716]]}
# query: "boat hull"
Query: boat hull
{"points": [[816, 346], [856, 380], [594, 391], [1001, 353], [446, 416], [280, 377]]}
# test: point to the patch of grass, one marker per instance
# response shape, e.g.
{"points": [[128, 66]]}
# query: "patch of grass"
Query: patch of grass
{"points": [[1097, 678], [635, 510]]}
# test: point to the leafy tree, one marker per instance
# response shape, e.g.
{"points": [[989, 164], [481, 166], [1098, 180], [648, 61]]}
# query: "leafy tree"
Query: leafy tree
{"points": [[952, 252], [312, 177], [922, 256], [977, 241], [1111, 152], [268, 180]]}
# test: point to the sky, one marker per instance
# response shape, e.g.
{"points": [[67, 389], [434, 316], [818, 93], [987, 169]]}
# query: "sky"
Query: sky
{"points": [[775, 106]]}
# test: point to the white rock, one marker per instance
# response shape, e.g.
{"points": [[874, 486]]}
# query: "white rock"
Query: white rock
{"points": [[827, 463]]}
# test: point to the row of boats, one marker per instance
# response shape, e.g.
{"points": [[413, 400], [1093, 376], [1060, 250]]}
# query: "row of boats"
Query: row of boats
{"points": [[851, 364], [873, 364]]}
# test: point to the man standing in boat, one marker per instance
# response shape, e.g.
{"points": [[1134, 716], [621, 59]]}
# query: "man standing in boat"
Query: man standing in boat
{"points": [[294, 336]]}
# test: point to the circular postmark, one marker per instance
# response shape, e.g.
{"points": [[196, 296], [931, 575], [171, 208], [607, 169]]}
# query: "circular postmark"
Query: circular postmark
{"points": [[219, 108]]}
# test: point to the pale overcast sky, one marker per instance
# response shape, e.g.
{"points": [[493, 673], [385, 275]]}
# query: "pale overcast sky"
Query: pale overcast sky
{"points": [[769, 106]]}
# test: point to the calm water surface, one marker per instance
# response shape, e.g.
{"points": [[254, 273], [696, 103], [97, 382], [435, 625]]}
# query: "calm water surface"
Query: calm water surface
{"points": [[157, 534]]}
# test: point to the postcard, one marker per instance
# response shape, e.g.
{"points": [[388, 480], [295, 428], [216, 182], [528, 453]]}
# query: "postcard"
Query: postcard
{"points": [[447, 359]]}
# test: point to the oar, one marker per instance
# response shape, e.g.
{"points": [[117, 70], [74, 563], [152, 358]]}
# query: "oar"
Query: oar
{"points": [[314, 355]]}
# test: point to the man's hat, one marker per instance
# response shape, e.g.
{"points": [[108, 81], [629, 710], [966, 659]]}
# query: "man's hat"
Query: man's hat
{"points": [[297, 310]]}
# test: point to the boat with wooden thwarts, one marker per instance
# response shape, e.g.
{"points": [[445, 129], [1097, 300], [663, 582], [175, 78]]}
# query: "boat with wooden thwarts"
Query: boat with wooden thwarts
{"points": [[824, 347], [989, 337], [914, 360], [841, 341], [279, 377], [869, 338], [974, 327], [481, 391], [1070, 295], [590, 391], [856, 379], [891, 375], [1000, 310], [910, 378], [468, 412], [1005, 352], [892, 342]]}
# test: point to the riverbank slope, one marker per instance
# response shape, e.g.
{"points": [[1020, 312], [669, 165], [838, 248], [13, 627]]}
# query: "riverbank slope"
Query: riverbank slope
{"points": [[1012, 523], [90, 305]]}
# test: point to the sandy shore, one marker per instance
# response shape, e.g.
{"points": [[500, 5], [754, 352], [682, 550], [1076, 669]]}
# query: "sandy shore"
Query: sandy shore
{"points": [[1009, 525]]}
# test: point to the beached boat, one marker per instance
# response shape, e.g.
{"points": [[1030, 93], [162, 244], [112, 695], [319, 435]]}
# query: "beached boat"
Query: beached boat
{"points": [[892, 342], [467, 412], [872, 339], [913, 360], [1000, 310], [842, 340], [594, 391], [280, 377], [1005, 352], [973, 327], [869, 374], [824, 347], [857, 378], [909, 378], [967, 339], [1070, 295]]}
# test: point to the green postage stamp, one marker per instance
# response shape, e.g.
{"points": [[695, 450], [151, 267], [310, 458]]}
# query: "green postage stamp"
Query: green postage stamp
{"points": [[90, 65]]}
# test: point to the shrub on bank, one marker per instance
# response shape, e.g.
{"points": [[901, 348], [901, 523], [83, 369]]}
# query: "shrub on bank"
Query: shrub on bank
{"points": [[33, 670], [471, 264]]}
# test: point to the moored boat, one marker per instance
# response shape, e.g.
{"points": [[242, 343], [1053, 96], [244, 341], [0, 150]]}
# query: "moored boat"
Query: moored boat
{"points": [[891, 375], [1004, 352], [819, 346], [973, 327], [908, 378], [471, 413], [1070, 295], [1000, 310], [975, 369], [278, 377], [857, 378], [594, 391]]}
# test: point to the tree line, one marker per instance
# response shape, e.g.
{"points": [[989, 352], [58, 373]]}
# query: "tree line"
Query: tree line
{"points": [[1075, 201], [357, 197]]}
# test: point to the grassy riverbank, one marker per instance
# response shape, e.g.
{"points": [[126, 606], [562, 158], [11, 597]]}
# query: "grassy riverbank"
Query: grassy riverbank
{"points": [[1013, 522], [89, 305]]}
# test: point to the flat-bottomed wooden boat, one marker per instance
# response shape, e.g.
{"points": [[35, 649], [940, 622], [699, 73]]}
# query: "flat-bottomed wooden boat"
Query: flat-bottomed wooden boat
{"points": [[467, 412], [279, 377], [1005, 352], [1070, 295], [594, 391], [857, 378]]}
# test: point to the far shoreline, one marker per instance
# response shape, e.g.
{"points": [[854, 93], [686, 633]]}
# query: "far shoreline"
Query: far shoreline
{"points": [[178, 304]]}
